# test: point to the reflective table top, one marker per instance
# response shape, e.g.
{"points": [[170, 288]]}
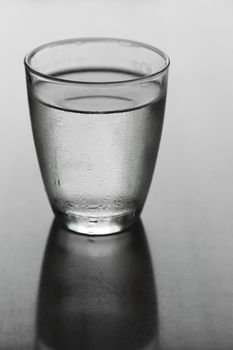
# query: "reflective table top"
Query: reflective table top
{"points": [[166, 283]]}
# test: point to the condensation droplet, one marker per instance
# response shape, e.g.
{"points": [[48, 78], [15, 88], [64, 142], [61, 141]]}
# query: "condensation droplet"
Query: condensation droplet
{"points": [[57, 182]]}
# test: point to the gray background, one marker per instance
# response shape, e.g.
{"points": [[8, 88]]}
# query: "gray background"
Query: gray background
{"points": [[188, 215]]}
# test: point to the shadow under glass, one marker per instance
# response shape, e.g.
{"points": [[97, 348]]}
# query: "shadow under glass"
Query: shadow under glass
{"points": [[97, 293]]}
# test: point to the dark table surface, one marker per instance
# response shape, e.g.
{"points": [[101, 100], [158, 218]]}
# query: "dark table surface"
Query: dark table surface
{"points": [[168, 282]]}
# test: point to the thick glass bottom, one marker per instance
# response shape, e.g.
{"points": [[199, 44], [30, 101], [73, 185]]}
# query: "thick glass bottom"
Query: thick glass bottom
{"points": [[91, 225]]}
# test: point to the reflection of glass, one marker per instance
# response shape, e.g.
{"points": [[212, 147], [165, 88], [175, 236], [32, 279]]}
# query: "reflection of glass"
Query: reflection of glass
{"points": [[97, 293], [97, 108]]}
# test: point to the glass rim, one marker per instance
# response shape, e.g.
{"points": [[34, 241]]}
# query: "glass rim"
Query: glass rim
{"points": [[143, 79]]}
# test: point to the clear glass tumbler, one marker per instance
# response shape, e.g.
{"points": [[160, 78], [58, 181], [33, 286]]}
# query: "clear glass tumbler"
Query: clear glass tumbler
{"points": [[97, 108]]}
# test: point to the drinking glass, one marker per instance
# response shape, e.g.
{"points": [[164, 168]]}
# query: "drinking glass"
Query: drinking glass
{"points": [[97, 109]]}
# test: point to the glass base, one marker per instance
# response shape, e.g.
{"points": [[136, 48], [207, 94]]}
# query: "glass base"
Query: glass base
{"points": [[91, 225]]}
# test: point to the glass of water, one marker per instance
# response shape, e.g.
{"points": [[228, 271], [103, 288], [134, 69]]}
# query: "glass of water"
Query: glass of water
{"points": [[97, 108]]}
